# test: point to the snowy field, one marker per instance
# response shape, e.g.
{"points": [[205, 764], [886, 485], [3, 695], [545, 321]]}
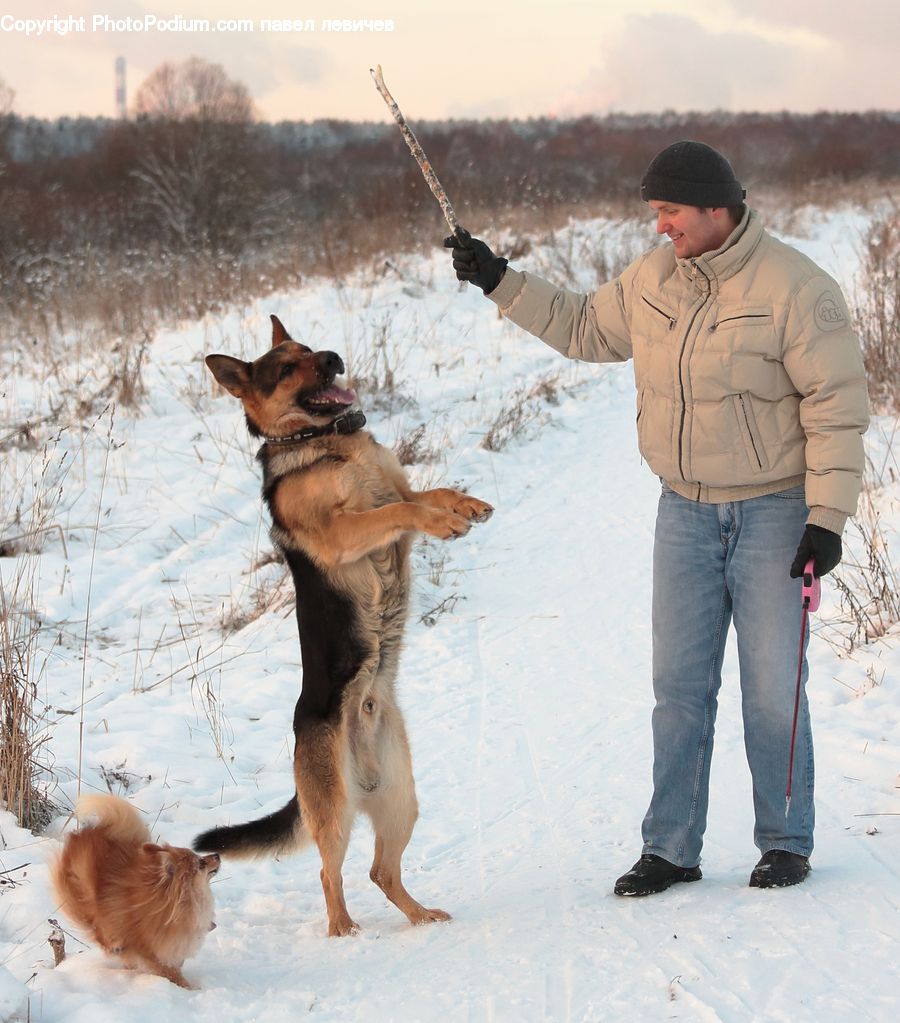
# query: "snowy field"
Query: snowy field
{"points": [[525, 682]]}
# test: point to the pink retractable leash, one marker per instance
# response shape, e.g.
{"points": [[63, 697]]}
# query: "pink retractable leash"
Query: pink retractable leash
{"points": [[811, 594]]}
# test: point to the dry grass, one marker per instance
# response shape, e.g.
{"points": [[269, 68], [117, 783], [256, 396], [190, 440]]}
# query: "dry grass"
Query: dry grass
{"points": [[868, 587], [877, 309], [375, 365], [445, 606], [266, 592], [587, 259], [24, 735], [414, 448], [526, 407], [204, 675]]}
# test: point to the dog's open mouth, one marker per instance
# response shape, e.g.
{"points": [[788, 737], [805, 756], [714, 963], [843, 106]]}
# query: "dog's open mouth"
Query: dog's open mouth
{"points": [[326, 401]]}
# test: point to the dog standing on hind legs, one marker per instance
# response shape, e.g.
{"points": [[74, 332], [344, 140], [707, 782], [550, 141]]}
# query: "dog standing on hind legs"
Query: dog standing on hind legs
{"points": [[344, 516]]}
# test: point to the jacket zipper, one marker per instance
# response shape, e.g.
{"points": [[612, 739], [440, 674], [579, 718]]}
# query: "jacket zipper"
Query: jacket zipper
{"points": [[687, 333], [749, 431], [661, 312], [745, 316]]}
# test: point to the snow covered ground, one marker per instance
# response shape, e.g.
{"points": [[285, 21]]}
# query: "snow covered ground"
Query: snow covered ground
{"points": [[526, 689]]}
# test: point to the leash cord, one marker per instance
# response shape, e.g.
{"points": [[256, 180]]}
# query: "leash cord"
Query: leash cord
{"points": [[787, 793]]}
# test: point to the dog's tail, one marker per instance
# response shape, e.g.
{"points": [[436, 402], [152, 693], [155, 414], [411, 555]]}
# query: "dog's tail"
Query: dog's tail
{"points": [[280, 833], [118, 818]]}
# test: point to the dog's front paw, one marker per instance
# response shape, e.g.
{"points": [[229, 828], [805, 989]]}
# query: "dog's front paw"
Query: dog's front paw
{"points": [[473, 509], [445, 525]]}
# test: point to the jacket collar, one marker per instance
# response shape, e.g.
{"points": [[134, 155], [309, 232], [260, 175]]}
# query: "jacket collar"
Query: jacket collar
{"points": [[726, 261]]}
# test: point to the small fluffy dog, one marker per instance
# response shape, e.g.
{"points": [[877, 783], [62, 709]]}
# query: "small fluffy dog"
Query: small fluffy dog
{"points": [[148, 904]]}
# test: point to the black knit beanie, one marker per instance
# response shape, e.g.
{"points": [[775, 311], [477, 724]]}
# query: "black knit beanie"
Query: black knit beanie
{"points": [[691, 174]]}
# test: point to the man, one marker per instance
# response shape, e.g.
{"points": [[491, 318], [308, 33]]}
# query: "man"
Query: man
{"points": [[751, 405]]}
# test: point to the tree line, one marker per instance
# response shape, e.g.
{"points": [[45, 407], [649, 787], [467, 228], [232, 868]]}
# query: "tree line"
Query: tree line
{"points": [[192, 176]]}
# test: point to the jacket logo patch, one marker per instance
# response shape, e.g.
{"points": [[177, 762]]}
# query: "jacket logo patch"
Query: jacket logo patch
{"points": [[828, 313]]}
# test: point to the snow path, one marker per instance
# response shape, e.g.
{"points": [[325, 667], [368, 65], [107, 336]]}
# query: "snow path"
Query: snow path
{"points": [[530, 732], [528, 706]]}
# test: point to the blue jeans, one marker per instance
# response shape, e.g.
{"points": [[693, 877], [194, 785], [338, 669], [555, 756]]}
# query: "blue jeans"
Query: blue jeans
{"points": [[714, 563]]}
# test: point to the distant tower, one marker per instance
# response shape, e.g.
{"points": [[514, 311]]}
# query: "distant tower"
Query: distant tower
{"points": [[121, 108]]}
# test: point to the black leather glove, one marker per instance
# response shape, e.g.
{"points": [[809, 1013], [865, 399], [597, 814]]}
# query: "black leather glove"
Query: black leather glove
{"points": [[820, 544], [473, 261]]}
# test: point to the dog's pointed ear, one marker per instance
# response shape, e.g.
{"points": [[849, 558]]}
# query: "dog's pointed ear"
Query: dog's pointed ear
{"points": [[164, 853], [231, 373], [279, 334]]}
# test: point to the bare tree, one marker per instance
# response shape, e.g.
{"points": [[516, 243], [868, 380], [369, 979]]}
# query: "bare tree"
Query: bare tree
{"points": [[7, 95], [194, 91], [10, 220], [199, 175]]}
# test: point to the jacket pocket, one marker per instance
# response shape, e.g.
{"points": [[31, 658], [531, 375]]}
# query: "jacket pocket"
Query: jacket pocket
{"points": [[748, 316], [656, 307], [753, 445], [639, 422]]}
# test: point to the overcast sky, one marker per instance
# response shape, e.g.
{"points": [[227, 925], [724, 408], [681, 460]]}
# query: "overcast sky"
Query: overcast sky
{"points": [[475, 58]]}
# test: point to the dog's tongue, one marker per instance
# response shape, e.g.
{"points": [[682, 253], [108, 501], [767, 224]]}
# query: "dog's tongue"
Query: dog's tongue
{"points": [[336, 395]]}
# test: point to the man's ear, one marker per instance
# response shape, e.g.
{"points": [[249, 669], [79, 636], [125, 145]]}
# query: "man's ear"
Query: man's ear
{"points": [[231, 373]]}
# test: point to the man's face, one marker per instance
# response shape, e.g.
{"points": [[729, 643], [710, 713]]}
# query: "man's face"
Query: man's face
{"points": [[692, 231]]}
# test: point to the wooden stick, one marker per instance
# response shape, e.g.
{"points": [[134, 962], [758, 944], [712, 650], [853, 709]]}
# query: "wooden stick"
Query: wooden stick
{"points": [[421, 159]]}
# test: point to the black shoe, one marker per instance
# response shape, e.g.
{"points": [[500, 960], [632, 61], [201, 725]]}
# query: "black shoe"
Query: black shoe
{"points": [[652, 874], [779, 869]]}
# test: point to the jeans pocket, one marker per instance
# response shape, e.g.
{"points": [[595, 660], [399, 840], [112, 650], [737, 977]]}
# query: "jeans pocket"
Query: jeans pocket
{"points": [[792, 494]]}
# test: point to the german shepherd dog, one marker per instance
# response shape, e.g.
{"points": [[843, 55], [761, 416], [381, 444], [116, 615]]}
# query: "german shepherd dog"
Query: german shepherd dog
{"points": [[344, 516]]}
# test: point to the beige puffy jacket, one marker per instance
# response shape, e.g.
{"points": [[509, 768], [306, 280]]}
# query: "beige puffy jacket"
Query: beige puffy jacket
{"points": [[750, 378]]}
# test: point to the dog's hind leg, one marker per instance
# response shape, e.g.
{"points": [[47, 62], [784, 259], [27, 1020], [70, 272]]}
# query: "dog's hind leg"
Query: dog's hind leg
{"points": [[393, 810], [332, 840], [320, 772]]}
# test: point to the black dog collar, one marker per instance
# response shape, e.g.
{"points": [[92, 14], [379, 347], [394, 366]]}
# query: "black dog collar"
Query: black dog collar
{"points": [[349, 422]]}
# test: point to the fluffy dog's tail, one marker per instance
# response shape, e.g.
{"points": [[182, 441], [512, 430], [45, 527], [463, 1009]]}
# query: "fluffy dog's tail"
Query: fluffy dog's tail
{"points": [[280, 833], [118, 818]]}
